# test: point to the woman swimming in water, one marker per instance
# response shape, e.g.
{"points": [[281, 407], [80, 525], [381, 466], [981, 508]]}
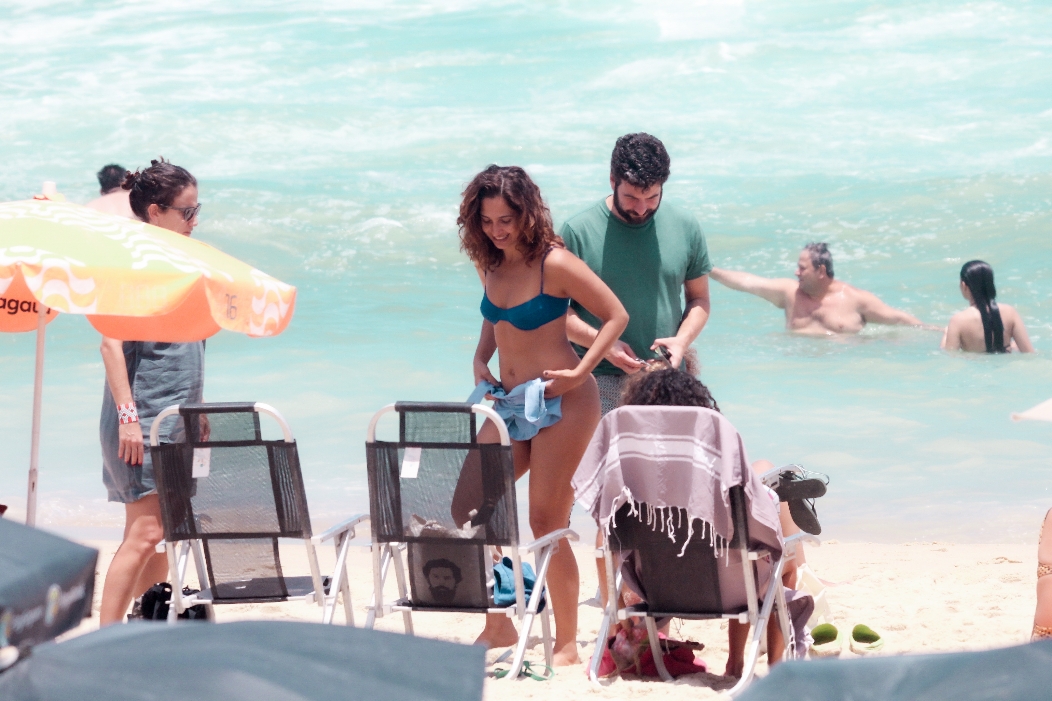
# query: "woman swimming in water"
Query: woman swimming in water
{"points": [[528, 279], [986, 325]]}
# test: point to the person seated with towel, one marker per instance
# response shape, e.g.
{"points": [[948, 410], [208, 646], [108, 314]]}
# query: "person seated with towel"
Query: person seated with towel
{"points": [[669, 387]]}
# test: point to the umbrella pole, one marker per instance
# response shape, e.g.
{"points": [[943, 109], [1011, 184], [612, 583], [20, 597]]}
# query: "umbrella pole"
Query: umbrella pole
{"points": [[34, 449]]}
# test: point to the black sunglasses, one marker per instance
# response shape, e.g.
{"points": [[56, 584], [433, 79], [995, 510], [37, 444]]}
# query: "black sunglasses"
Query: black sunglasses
{"points": [[188, 212]]}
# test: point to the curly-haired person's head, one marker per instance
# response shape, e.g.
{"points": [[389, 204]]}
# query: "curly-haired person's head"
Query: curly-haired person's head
{"points": [[523, 197], [640, 160], [667, 387]]}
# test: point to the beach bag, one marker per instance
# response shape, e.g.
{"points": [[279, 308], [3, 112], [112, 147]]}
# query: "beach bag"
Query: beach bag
{"points": [[155, 602], [504, 583], [628, 652]]}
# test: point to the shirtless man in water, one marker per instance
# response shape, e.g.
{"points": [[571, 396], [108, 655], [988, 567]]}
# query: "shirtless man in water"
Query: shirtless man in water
{"points": [[113, 199], [815, 303]]}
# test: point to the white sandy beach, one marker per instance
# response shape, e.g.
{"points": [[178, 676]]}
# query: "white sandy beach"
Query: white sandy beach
{"points": [[923, 597]]}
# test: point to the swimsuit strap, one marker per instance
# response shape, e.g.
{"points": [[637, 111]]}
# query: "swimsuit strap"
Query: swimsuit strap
{"points": [[543, 258]]}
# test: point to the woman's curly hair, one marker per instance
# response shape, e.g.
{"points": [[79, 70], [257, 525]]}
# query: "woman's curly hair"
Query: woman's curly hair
{"points": [[667, 387], [524, 197]]}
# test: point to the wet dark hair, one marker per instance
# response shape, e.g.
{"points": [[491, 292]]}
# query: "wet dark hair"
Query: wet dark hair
{"points": [[443, 563], [159, 184], [820, 255], [514, 185], [111, 177], [667, 387], [641, 160], [978, 276]]}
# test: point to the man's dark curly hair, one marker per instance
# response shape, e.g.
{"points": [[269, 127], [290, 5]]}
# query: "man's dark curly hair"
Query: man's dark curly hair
{"points": [[641, 160], [667, 387], [523, 197]]}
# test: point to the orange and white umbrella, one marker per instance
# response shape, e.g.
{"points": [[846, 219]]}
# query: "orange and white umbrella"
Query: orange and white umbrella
{"points": [[133, 281]]}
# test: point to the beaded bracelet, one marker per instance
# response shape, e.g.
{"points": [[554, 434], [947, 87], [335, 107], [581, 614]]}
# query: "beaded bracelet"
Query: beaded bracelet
{"points": [[127, 414]]}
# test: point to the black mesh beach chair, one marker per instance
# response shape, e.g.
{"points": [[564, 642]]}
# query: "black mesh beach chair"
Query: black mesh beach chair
{"points": [[447, 502], [227, 496]]}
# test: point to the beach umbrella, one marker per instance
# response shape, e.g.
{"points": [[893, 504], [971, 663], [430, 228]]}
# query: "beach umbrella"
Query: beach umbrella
{"points": [[133, 281], [1041, 412], [247, 660], [1021, 673], [46, 584]]}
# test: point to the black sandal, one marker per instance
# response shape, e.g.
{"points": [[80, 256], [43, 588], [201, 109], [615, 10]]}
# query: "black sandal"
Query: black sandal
{"points": [[799, 489]]}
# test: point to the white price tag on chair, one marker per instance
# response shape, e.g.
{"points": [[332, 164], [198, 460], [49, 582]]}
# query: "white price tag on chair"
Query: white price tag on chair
{"points": [[411, 463], [202, 463]]}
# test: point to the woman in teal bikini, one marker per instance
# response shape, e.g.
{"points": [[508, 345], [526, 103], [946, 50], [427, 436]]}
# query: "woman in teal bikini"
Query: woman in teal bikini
{"points": [[528, 279]]}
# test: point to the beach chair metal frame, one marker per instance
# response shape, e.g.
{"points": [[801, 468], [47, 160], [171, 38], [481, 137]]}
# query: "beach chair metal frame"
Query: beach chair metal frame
{"points": [[756, 613], [324, 591], [384, 554]]}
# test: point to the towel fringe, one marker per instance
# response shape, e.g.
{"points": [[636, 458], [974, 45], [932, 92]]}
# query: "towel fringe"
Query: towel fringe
{"points": [[668, 519]]}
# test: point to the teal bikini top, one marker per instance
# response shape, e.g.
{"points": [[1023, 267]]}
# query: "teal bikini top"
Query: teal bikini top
{"points": [[531, 314]]}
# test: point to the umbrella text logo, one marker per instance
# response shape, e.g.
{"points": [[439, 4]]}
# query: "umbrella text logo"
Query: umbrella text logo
{"points": [[14, 306]]}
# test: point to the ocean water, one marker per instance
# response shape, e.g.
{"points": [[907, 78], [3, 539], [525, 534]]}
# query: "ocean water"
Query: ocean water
{"points": [[332, 140]]}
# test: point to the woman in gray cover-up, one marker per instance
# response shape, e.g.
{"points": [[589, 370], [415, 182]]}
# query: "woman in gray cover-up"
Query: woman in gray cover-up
{"points": [[142, 378]]}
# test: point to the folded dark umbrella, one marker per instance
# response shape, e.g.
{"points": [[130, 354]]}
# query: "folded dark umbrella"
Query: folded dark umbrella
{"points": [[249, 660], [46, 584], [1021, 673]]}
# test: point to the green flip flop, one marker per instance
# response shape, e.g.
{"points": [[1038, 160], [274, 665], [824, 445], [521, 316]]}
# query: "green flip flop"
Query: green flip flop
{"points": [[528, 670], [828, 641], [865, 640]]}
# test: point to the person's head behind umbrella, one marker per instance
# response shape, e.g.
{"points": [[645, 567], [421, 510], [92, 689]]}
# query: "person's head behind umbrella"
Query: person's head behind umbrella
{"points": [[164, 195]]}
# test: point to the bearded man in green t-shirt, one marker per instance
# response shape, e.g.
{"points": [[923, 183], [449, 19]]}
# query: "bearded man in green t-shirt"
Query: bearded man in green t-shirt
{"points": [[653, 257]]}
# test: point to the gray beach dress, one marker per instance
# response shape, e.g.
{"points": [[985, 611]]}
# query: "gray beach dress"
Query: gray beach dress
{"points": [[160, 374]]}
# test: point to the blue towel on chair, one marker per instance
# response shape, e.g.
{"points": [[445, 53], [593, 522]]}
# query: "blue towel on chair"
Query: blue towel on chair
{"points": [[504, 583]]}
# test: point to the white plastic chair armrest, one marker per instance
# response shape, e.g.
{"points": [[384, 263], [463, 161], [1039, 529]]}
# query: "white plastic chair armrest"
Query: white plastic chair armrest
{"points": [[346, 525], [550, 539]]}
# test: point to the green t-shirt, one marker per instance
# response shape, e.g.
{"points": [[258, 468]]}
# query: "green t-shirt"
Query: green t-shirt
{"points": [[645, 265]]}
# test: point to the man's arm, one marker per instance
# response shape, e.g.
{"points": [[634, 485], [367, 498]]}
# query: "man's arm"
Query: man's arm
{"points": [[696, 316], [775, 291], [583, 334], [874, 311]]}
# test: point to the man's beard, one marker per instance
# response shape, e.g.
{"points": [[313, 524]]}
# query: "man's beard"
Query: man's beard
{"points": [[443, 595], [632, 217]]}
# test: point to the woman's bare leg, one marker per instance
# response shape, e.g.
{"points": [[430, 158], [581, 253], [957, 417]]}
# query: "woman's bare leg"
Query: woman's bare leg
{"points": [[738, 633], [135, 561], [554, 455], [499, 630]]}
